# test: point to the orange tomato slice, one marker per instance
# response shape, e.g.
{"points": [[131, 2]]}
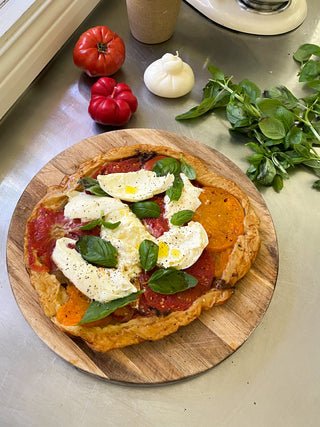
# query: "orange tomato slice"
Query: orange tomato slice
{"points": [[222, 215], [73, 310]]}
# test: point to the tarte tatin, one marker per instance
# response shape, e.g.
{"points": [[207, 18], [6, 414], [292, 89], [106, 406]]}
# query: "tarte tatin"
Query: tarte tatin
{"points": [[139, 304]]}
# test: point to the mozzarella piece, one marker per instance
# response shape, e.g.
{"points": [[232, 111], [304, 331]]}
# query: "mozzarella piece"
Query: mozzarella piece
{"points": [[189, 199], [126, 239], [97, 283], [88, 207], [135, 186], [180, 247]]}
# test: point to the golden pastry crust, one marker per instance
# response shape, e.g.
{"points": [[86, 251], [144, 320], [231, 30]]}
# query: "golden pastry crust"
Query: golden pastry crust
{"points": [[52, 294]]}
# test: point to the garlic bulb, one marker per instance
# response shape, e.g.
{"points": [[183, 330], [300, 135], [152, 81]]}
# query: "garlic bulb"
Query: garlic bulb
{"points": [[169, 77]]}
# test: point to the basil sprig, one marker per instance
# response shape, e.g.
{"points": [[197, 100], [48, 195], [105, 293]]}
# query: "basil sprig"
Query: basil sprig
{"points": [[148, 252], [281, 129], [169, 281], [92, 186], [305, 52], [100, 222], [181, 217], [97, 251], [98, 310], [146, 209], [308, 55]]}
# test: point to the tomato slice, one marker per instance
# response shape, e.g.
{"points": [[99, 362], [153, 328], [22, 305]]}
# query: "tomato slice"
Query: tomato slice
{"points": [[42, 233], [222, 216], [151, 302], [132, 164], [157, 226], [74, 309], [150, 163]]}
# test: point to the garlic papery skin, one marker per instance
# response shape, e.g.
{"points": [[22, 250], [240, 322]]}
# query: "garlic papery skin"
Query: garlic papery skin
{"points": [[169, 77]]}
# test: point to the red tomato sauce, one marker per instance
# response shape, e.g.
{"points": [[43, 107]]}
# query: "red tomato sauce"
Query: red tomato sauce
{"points": [[151, 302], [42, 233], [157, 226]]}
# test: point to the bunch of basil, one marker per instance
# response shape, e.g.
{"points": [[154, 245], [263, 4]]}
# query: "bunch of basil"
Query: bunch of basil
{"points": [[280, 128]]}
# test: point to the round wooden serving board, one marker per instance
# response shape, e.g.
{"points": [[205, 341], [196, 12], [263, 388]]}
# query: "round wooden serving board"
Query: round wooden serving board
{"points": [[192, 349]]}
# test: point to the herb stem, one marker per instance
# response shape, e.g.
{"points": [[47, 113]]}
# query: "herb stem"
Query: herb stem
{"points": [[315, 133], [309, 124], [227, 88], [236, 95]]}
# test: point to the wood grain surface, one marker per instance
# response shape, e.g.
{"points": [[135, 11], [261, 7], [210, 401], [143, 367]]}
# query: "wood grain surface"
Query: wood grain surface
{"points": [[192, 349]]}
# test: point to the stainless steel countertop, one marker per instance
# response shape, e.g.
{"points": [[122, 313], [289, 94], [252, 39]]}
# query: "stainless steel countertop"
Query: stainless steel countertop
{"points": [[273, 379]]}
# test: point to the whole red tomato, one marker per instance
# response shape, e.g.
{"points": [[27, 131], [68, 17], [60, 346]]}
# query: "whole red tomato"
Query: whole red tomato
{"points": [[111, 103], [99, 52]]}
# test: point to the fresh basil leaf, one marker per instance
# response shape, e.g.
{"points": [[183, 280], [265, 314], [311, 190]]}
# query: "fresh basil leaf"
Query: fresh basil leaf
{"points": [[216, 73], [294, 157], [175, 191], [316, 126], [99, 222], [219, 94], [256, 147], [97, 251], [206, 105], [87, 182], [268, 106], [284, 95], [90, 225], [250, 89], [210, 90], [237, 114], [146, 209], [302, 151], [272, 128], [316, 185], [92, 185], [281, 166], [110, 225], [305, 52], [169, 281], [274, 108], [310, 100], [285, 116], [313, 163], [188, 170], [181, 217], [148, 252], [294, 136], [267, 172], [314, 84], [284, 159], [255, 159], [310, 71], [252, 172], [272, 143], [98, 310], [277, 183], [167, 165]]}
